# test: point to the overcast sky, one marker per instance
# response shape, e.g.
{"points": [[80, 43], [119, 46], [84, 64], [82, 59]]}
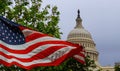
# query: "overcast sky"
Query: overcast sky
{"points": [[100, 17]]}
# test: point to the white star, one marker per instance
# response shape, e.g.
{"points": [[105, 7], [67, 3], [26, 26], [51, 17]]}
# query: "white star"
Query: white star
{"points": [[14, 40], [8, 34], [2, 27], [3, 33], [6, 27], [11, 37], [20, 36], [3, 24], [13, 34], [17, 33], [3, 38], [6, 37], [10, 41], [10, 31], [19, 40], [16, 37], [23, 39]]}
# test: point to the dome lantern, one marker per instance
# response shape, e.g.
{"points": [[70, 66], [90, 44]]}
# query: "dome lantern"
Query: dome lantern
{"points": [[78, 21], [78, 13]]}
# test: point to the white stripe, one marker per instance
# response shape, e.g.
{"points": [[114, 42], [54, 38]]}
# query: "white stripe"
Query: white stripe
{"points": [[26, 45], [48, 59], [79, 57], [28, 32], [32, 53], [32, 31], [82, 52]]}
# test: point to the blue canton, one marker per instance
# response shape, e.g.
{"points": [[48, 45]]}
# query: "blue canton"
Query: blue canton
{"points": [[10, 32]]}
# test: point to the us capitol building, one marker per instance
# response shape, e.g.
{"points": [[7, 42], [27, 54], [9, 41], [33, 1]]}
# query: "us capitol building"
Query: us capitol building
{"points": [[80, 35]]}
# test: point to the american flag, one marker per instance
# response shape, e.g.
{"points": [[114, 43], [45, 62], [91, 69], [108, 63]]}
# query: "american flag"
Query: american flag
{"points": [[27, 48]]}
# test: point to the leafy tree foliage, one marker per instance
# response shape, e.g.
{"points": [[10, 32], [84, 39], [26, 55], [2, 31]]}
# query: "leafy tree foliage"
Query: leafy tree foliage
{"points": [[117, 67], [73, 65]]}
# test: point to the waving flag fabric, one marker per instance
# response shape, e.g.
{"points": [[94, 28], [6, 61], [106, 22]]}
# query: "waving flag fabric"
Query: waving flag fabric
{"points": [[27, 48]]}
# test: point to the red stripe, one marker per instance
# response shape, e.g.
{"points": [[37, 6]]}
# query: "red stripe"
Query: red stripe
{"points": [[54, 63], [34, 46], [23, 28], [81, 54], [34, 36], [39, 55]]}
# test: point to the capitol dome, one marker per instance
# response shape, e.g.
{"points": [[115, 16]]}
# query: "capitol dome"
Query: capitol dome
{"points": [[81, 36]]}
